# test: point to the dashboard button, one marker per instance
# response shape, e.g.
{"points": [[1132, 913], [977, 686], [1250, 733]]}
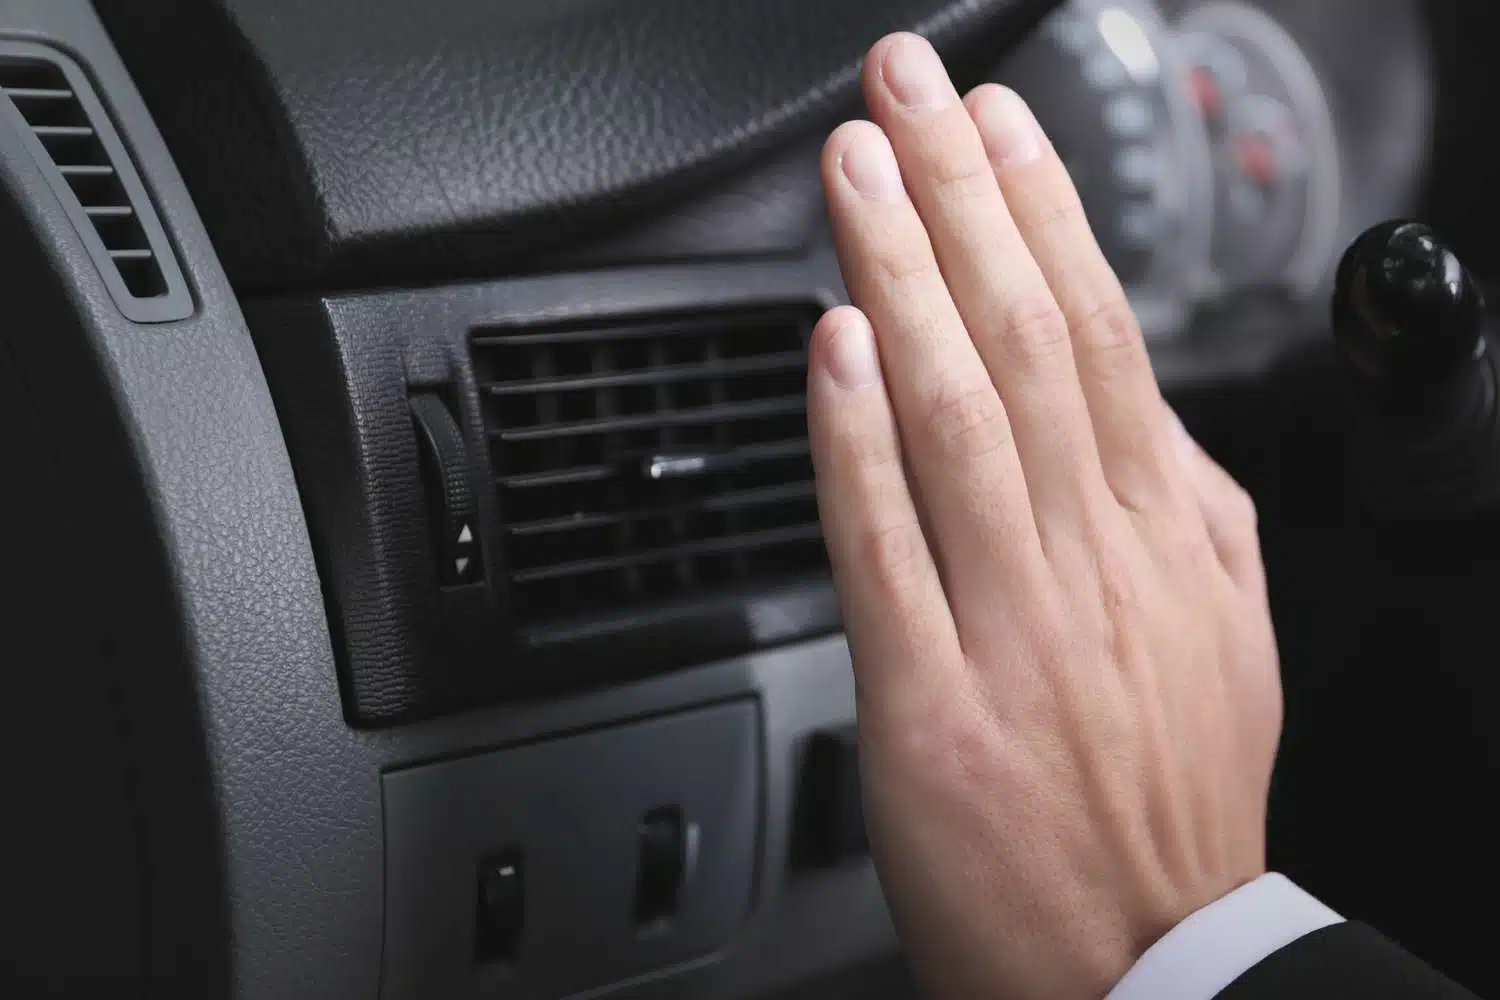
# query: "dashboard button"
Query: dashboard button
{"points": [[831, 809], [452, 503], [663, 867], [501, 912]]}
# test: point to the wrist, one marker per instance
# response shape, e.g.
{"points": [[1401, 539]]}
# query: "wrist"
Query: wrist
{"points": [[1212, 947], [1153, 923]]}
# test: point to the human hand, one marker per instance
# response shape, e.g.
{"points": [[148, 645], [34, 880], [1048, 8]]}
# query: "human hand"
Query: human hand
{"points": [[1069, 699]]}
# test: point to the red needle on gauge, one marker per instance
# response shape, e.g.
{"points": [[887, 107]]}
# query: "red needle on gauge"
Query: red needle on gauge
{"points": [[1256, 158], [1207, 94]]}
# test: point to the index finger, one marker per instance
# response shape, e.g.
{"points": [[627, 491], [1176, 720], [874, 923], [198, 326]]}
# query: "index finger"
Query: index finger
{"points": [[897, 619]]}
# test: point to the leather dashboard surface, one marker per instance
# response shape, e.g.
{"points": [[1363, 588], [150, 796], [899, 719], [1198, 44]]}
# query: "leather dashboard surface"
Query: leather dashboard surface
{"points": [[345, 143]]}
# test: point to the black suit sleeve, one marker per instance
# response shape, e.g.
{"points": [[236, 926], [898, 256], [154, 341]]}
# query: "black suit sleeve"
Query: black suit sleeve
{"points": [[1343, 962]]}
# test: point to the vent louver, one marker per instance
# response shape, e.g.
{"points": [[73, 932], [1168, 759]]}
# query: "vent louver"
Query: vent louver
{"points": [[75, 144], [652, 459]]}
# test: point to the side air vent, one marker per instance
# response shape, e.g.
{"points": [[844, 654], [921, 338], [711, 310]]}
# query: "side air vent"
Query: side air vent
{"points": [[75, 144], [651, 459]]}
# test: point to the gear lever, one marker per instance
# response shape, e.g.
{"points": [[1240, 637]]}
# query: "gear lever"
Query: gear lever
{"points": [[1410, 328]]}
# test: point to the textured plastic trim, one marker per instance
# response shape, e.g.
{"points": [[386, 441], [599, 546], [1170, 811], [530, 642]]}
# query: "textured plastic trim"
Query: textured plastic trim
{"points": [[573, 809], [176, 302]]}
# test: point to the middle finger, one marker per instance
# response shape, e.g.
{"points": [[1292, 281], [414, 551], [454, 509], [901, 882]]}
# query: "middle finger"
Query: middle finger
{"points": [[1000, 291]]}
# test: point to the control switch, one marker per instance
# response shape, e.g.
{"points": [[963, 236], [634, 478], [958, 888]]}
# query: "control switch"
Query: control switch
{"points": [[453, 505], [501, 912], [831, 820], [667, 849]]}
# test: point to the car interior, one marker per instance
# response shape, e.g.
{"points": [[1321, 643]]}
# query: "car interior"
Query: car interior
{"points": [[414, 586]]}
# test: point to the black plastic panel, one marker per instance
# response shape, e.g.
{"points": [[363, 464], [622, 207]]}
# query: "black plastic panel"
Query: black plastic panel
{"points": [[342, 371], [382, 141], [568, 814]]}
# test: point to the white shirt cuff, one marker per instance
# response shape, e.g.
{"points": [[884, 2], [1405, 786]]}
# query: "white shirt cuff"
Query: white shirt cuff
{"points": [[1208, 951]]}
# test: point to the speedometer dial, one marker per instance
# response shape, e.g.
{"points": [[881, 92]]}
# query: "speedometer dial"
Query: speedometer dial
{"points": [[1274, 146], [1104, 80]]}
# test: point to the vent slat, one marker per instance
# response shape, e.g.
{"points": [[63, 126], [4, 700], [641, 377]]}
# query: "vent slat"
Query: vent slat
{"points": [[74, 138], [721, 414], [653, 376], [63, 131], [628, 463], [38, 93], [717, 325], [559, 477], [647, 557], [650, 459], [737, 500]]}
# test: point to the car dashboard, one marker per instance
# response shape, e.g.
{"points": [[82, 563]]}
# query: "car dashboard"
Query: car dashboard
{"points": [[419, 584]]}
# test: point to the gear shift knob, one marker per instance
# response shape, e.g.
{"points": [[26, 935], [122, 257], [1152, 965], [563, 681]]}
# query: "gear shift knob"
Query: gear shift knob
{"points": [[1410, 326], [1407, 315]]}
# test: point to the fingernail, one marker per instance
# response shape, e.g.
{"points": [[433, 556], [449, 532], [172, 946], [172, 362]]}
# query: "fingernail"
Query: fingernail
{"points": [[870, 164], [1011, 134], [851, 356], [915, 74]]}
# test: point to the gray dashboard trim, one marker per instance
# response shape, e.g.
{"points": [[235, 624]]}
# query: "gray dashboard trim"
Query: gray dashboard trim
{"points": [[294, 792], [296, 829], [175, 302]]}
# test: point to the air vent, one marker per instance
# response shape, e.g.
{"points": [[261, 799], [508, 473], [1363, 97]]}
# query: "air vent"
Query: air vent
{"points": [[75, 144], [651, 460]]}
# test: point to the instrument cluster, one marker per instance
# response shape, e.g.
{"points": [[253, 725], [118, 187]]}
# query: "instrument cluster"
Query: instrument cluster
{"points": [[1204, 145]]}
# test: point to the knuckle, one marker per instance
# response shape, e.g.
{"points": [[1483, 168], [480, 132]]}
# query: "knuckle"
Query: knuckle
{"points": [[1064, 214], [968, 753], [1242, 507], [1116, 584], [906, 263], [946, 738], [958, 177], [1122, 611], [1032, 333], [1228, 502], [1115, 571], [891, 553], [968, 419], [1110, 332]]}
